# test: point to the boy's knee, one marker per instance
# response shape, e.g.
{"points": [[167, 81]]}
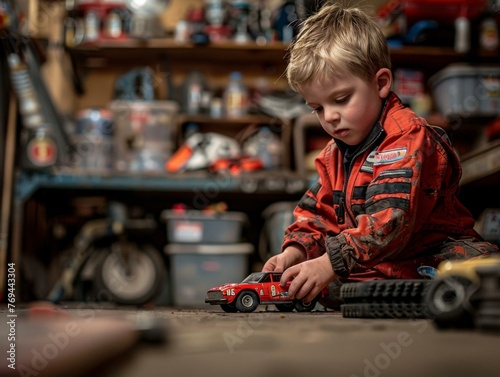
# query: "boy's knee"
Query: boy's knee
{"points": [[469, 248]]}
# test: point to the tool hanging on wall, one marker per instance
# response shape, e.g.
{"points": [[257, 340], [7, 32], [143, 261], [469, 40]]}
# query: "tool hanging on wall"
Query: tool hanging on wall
{"points": [[44, 140], [40, 150]]}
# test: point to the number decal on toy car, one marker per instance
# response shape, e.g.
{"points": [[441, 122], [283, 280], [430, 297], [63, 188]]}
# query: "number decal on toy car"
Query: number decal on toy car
{"points": [[230, 292], [273, 290]]}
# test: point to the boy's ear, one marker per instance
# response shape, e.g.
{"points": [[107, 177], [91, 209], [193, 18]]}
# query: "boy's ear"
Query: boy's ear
{"points": [[383, 78]]}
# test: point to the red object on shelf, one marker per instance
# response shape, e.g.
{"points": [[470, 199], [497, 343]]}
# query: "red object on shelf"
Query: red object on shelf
{"points": [[442, 11], [103, 10], [237, 165], [493, 129]]}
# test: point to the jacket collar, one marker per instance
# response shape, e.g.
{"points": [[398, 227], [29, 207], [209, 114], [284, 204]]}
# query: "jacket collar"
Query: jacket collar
{"points": [[389, 103]]}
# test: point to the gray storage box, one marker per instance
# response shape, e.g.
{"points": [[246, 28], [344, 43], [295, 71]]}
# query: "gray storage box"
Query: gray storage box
{"points": [[464, 90], [197, 268], [277, 218], [203, 227]]}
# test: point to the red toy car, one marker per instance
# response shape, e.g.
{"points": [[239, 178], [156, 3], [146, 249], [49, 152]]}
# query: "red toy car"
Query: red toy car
{"points": [[258, 288]]}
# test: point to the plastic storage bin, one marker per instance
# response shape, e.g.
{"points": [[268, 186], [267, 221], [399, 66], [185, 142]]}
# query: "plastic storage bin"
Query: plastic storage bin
{"points": [[463, 90], [204, 227], [144, 135], [197, 268], [277, 217]]}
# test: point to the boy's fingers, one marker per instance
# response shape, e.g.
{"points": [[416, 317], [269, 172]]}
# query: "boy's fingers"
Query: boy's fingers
{"points": [[305, 292], [268, 267], [296, 283], [280, 266], [310, 296], [288, 274]]}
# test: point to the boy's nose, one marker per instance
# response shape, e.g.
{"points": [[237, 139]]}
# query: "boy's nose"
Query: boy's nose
{"points": [[331, 115]]}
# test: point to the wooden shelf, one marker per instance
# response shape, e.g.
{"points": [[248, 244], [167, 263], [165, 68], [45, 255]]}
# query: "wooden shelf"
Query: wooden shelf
{"points": [[137, 49], [245, 119], [425, 57], [131, 51]]}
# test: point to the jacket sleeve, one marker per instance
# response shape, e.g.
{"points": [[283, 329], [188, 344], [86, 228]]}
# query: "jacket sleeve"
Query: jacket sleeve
{"points": [[314, 214], [400, 197]]}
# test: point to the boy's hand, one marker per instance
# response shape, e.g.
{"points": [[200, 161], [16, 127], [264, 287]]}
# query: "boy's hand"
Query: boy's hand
{"points": [[289, 257], [309, 278]]}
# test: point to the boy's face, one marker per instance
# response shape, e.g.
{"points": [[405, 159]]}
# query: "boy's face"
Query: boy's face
{"points": [[347, 106]]}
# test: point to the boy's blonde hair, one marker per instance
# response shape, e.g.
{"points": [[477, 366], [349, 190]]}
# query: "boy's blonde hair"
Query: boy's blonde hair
{"points": [[337, 39]]}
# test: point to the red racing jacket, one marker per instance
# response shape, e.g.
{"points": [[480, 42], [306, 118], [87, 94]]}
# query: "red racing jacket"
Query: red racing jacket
{"points": [[392, 200]]}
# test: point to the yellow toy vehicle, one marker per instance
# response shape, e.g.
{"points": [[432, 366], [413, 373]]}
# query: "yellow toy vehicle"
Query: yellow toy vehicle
{"points": [[459, 295]]}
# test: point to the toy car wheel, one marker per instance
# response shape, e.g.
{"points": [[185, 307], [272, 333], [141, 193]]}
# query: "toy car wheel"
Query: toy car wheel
{"points": [[247, 302], [229, 308], [288, 307], [448, 303], [302, 306]]}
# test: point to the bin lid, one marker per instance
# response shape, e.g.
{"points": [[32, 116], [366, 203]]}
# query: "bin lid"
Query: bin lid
{"points": [[278, 207], [218, 249], [170, 214], [131, 106], [463, 70]]}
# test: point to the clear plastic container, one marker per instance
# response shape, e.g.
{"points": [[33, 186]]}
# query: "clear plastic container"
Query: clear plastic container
{"points": [[144, 135], [236, 96]]}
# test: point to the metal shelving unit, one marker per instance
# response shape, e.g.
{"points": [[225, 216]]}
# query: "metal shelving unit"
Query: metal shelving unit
{"points": [[262, 182], [285, 184]]}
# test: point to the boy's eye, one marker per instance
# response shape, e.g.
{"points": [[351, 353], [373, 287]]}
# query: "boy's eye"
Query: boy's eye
{"points": [[341, 100], [317, 110]]}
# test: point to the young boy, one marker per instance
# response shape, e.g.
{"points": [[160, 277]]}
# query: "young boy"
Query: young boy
{"points": [[386, 199]]}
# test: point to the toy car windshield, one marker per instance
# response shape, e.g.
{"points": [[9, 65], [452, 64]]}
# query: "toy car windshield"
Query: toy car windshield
{"points": [[255, 277]]}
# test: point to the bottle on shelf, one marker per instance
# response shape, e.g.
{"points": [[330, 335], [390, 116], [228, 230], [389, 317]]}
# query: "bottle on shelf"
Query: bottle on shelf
{"points": [[462, 32], [236, 96], [194, 87], [488, 33], [286, 23]]}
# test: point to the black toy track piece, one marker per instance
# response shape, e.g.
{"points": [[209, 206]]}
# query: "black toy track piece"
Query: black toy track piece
{"points": [[488, 314], [384, 290], [397, 298], [393, 310], [488, 317]]}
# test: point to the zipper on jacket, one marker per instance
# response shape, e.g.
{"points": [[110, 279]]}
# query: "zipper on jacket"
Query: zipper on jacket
{"points": [[341, 209], [347, 172]]}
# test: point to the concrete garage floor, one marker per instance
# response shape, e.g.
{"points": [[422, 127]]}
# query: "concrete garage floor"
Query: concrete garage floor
{"points": [[77, 340]]}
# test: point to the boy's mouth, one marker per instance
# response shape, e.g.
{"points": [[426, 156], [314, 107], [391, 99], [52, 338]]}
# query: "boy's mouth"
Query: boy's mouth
{"points": [[340, 133]]}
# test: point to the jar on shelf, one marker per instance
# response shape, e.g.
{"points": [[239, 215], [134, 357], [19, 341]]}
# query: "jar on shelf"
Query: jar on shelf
{"points": [[236, 96], [195, 93]]}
